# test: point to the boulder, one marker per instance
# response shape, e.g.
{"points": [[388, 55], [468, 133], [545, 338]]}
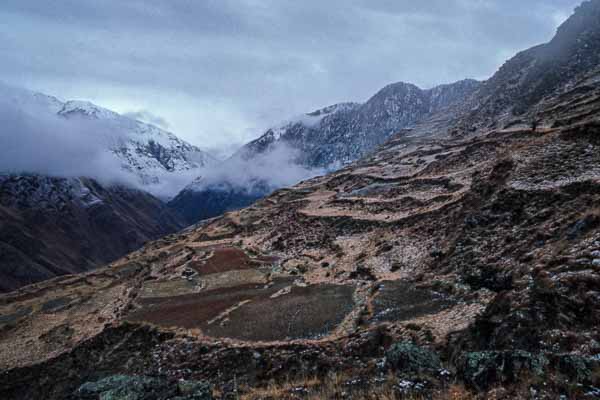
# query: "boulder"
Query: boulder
{"points": [[408, 357], [483, 369], [126, 387]]}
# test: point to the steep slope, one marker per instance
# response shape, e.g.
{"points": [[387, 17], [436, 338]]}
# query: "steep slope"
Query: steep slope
{"points": [[55, 226], [436, 267], [511, 95]]}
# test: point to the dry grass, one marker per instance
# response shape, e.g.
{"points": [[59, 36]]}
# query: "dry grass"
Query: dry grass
{"points": [[335, 387]]}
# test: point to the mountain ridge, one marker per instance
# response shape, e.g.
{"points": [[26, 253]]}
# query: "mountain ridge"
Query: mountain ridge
{"points": [[395, 107]]}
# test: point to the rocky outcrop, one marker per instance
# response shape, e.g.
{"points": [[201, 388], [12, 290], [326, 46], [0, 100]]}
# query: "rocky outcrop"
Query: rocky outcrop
{"points": [[408, 357]]}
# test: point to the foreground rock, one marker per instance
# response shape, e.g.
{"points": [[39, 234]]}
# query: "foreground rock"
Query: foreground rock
{"points": [[123, 387]]}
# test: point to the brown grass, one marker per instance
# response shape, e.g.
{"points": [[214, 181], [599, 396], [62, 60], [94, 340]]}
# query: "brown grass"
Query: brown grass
{"points": [[334, 387]]}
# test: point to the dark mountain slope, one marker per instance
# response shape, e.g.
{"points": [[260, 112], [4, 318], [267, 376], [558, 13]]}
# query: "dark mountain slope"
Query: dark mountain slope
{"points": [[56, 226], [197, 204]]}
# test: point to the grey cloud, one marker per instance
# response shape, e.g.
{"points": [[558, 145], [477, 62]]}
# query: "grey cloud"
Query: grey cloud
{"points": [[256, 61], [273, 169], [36, 141]]}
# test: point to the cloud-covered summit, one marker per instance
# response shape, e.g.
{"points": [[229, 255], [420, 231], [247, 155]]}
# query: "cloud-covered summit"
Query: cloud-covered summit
{"points": [[43, 135]]}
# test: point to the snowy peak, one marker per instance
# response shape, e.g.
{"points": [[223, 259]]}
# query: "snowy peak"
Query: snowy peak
{"points": [[338, 134], [295, 129], [86, 109], [156, 159], [396, 90]]}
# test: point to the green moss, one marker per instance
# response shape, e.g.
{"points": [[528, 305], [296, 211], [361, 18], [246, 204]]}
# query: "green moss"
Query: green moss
{"points": [[125, 387], [406, 356], [484, 368]]}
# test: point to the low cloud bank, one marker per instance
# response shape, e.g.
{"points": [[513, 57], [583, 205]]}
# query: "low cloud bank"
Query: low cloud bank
{"points": [[262, 173], [33, 139]]}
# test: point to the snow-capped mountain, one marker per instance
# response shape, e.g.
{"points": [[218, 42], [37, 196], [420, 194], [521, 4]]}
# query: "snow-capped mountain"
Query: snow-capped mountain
{"points": [[283, 131], [146, 150], [342, 133], [157, 160]]}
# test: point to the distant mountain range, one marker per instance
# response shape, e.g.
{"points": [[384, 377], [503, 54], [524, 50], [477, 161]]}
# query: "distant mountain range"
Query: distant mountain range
{"points": [[323, 140], [339, 134]]}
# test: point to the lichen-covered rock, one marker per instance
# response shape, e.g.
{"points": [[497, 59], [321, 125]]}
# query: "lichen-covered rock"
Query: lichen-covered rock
{"points": [[577, 368], [408, 357], [482, 369], [125, 387]]}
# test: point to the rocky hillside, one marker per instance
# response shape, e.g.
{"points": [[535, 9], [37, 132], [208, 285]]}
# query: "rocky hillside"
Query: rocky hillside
{"points": [[462, 267], [56, 226], [517, 92]]}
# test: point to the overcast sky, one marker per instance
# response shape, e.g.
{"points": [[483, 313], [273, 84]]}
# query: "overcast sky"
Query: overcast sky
{"points": [[218, 72]]}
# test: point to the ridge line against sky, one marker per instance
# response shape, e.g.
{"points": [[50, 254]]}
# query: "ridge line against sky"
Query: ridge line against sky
{"points": [[218, 73]]}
